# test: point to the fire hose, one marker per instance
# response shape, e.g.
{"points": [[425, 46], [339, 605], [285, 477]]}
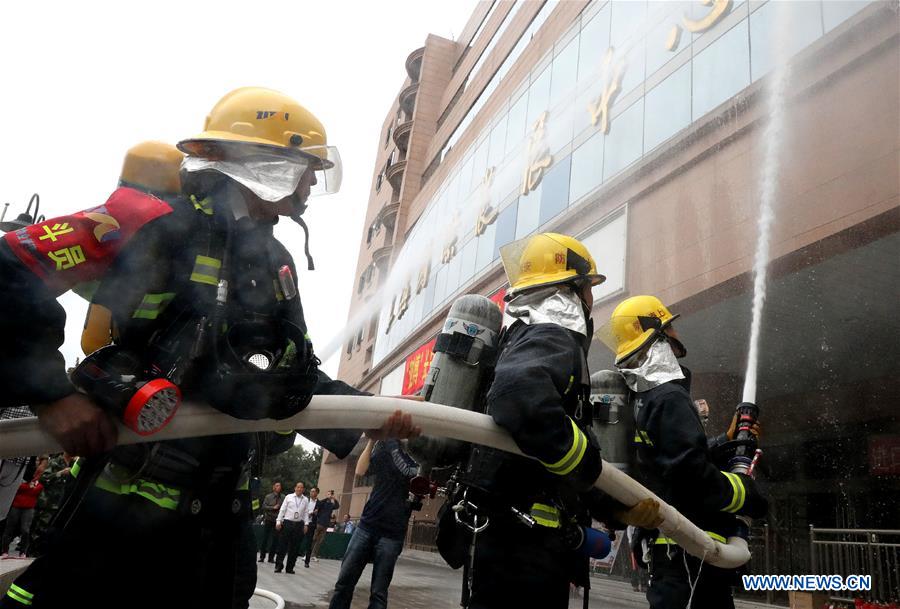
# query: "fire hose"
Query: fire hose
{"points": [[24, 437]]}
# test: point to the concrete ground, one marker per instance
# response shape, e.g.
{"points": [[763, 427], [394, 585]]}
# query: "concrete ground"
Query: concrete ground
{"points": [[420, 581]]}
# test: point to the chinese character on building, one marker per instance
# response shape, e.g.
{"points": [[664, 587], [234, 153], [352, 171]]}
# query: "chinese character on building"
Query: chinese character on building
{"points": [[539, 157], [614, 71], [720, 8]]}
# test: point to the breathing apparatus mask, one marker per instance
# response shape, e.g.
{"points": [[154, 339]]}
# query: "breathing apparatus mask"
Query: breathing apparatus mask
{"points": [[262, 368]]}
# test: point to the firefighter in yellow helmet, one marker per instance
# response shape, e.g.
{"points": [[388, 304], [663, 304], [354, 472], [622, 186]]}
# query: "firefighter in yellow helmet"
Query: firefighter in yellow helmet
{"points": [[673, 455], [539, 510], [205, 304]]}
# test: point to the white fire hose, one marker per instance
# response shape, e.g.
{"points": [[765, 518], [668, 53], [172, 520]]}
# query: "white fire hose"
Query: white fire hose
{"points": [[20, 437]]}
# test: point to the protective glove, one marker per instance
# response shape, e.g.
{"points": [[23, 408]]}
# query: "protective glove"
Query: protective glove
{"points": [[755, 504], [645, 514], [756, 430]]}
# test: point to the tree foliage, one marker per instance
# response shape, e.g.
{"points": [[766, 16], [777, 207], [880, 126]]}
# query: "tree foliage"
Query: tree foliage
{"points": [[294, 465]]}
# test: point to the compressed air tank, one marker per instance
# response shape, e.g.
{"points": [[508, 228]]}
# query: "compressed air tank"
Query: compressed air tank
{"points": [[464, 354], [613, 420]]}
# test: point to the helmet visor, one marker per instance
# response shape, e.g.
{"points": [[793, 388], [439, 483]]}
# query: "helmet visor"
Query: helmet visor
{"points": [[511, 256], [326, 162], [269, 175]]}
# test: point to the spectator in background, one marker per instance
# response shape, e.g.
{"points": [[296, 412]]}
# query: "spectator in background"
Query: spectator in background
{"points": [[311, 515], [382, 527], [57, 479], [324, 511], [348, 527], [18, 521], [292, 516], [270, 537]]}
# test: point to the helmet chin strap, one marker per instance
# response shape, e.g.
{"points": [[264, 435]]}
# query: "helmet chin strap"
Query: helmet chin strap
{"points": [[310, 265]]}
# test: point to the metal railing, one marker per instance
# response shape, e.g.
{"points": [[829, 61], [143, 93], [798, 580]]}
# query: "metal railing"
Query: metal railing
{"points": [[874, 552], [422, 535]]}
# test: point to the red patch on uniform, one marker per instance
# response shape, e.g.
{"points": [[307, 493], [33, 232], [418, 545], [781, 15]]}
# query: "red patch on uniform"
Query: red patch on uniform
{"points": [[72, 249]]}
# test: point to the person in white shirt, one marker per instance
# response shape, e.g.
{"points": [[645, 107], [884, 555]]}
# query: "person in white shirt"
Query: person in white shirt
{"points": [[292, 521]]}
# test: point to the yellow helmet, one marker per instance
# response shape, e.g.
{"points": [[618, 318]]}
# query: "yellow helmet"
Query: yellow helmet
{"points": [[634, 323], [152, 167], [547, 259], [262, 117]]}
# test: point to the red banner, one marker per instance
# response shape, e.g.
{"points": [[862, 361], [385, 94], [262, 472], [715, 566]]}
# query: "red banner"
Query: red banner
{"points": [[884, 455], [498, 297], [416, 369]]}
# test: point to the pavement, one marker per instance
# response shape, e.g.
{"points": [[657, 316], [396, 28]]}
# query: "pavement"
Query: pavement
{"points": [[421, 581]]}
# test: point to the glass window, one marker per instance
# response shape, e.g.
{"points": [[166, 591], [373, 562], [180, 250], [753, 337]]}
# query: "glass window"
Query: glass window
{"points": [[515, 126], [607, 245], [417, 309], [479, 162], [628, 17], [527, 219], [465, 178], [555, 191], [453, 273], [721, 70], [467, 261], [428, 293], [485, 254], [592, 44], [564, 73], [508, 178], [587, 167], [835, 12], [633, 75], [559, 125], [668, 108], [497, 141], [506, 227], [440, 285], [802, 26], [665, 15], [624, 142], [538, 98]]}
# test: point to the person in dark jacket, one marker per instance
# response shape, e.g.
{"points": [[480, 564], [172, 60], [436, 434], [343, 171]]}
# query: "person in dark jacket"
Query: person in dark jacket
{"points": [[324, 514], [202, 295], [271, 505], [673, 455], [382, 526], [527, 556]]}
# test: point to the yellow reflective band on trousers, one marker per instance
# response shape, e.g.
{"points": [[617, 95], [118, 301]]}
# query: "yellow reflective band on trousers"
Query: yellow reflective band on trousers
{"points": [[641, 437], [152, 305], [206, 270], [19, 594], [668, 541], [546, 515], [739, 493], [204, 205], [163, 496], [255, 504], [572, 458], [76, 467]]}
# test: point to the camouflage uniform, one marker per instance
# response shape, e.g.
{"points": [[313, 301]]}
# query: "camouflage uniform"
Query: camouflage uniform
{"points": [[55, 480]]}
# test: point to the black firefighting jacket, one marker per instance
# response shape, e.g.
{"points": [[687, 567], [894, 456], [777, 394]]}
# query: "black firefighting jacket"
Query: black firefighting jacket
{"points": [[674, 461], [540, 395], [146, 254]]}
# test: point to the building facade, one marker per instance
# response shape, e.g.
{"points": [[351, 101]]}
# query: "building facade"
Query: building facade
{"points": [[641, 129]]}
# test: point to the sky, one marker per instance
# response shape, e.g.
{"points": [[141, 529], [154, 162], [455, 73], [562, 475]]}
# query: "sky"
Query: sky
{"points": [[83, 82]]}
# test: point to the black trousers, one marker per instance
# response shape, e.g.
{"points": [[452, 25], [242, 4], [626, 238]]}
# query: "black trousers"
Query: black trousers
{"points": [[670, 587], [125, 547], [270, 540], [291, 537], [520, 567], [308, 539]]}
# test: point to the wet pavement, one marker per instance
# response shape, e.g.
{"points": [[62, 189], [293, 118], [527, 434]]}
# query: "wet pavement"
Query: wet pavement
{"points": [[420, 582]]}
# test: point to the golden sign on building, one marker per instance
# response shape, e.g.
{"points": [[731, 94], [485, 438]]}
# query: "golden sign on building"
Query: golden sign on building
{"points": [[403, 303], [449, 252], [424, 276], [614, 71], [488, 213], [720, 8], [539, 157]]}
